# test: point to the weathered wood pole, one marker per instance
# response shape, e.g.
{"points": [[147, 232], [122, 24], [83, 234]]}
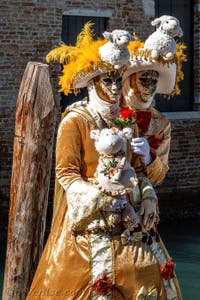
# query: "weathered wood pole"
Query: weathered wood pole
{"points": [[32, 159]]}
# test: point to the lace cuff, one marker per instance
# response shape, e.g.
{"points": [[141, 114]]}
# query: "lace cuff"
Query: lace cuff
{"points": [[84, 202]]}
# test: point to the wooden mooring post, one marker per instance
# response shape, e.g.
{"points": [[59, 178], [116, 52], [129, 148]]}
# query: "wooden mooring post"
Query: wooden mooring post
{"points": [[32, 158]]}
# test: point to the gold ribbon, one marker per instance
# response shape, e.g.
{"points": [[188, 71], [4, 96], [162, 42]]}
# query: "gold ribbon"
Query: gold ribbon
{"points": [[145, 295], [127, 237]]}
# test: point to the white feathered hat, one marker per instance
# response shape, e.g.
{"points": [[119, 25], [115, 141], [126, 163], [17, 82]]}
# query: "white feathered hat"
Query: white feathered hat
{"points": [[170, 71]]}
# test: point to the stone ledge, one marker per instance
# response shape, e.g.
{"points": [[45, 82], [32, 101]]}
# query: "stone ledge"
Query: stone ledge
{"points": [[182, 115], [106, 13]]}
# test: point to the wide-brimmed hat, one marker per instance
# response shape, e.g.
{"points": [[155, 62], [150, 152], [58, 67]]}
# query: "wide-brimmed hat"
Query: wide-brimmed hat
{"points": [[167, 73], [170, 71], [89, 58]]}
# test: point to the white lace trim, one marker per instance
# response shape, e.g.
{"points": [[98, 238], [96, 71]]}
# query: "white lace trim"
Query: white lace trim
{"points": [[84, 200], [102, 262]]}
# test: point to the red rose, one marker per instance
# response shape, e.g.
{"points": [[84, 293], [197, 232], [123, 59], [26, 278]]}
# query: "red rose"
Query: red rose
{"points": [[154, 142], [103, 286], [167, 270], [126, 113]]}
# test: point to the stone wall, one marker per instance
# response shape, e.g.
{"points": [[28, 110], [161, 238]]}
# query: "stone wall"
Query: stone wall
{"points": [[27, 32]]}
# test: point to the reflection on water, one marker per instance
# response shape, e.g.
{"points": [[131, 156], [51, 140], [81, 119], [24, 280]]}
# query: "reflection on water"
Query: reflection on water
{"points": [[182, 240]]}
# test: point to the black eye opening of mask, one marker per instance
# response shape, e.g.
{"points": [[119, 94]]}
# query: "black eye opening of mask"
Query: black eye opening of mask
{"points": [[110, 81], [148, 81]]}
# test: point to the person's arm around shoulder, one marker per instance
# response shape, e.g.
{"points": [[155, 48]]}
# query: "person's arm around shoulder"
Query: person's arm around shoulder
{"points": [[157, 169]]}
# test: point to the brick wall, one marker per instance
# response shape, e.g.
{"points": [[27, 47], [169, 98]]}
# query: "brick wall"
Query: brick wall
{"points": [[29, 29], [197, 54], [179, 193], [27, 32]]}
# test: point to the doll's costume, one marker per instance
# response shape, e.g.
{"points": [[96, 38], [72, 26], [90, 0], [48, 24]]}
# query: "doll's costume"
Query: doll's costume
{"points": [[83, 259]]}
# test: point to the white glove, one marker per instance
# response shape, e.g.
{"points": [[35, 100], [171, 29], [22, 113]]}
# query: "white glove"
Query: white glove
{"points": [[141, 147], [117, 204]]}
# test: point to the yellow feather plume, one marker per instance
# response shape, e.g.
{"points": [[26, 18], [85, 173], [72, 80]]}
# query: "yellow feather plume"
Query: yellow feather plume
{"points": [[61, 54], [85, 37], [180, 58], [134, 45], [77, 60]]}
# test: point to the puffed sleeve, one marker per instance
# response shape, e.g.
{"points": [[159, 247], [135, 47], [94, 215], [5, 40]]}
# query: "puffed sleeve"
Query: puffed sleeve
{"points": [[83, 199], [146, 189], [68, 152], [158, 168]]}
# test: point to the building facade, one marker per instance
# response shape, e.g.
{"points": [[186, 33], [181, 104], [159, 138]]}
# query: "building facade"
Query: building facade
{"points": [[30, 28]]}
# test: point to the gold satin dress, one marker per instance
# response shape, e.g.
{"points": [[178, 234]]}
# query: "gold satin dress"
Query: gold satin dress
{"points": [[72, 263]]}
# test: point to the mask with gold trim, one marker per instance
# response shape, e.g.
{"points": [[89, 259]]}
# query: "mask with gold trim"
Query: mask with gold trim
{"points": [[144, 84], [108, 86]]}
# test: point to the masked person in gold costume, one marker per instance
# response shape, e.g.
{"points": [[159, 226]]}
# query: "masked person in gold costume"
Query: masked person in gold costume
{"points": [[147, 76], [84, 257]]}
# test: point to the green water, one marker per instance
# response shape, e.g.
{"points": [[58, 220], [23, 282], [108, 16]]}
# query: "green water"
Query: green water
{"points": [[182, 240]]}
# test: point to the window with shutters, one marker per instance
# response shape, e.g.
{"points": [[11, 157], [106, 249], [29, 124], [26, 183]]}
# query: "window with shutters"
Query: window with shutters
{"points": [[182, 10]]}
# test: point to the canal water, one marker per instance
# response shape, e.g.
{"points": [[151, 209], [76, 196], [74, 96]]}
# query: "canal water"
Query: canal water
{"points": [[182, 240]]}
